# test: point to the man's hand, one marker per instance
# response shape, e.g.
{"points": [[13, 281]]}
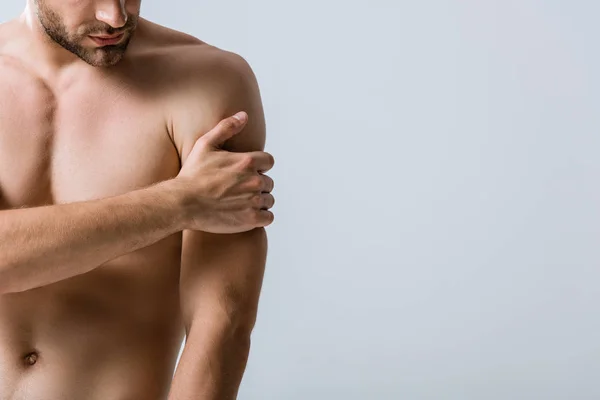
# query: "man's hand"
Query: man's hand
{"points": [[226, 192]]}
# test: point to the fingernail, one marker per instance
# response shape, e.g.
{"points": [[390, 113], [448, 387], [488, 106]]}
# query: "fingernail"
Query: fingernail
{"points": [[241, 116]]}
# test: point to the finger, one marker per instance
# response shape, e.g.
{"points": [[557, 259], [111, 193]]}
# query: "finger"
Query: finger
{"points": [[262, 161], [225, 130], [264, 218], [267, 201], [268, 184]]}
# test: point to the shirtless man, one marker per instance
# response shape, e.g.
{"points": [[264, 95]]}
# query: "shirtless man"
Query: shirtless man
{"points": [[133, 207]]}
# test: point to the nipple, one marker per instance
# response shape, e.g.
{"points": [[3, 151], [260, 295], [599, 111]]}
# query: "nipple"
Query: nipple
{"points": [[31, 358]]}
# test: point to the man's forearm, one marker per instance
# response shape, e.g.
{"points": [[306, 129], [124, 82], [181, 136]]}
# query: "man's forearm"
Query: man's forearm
{"points": [[212, 363], [220, 284], [46, 244]]}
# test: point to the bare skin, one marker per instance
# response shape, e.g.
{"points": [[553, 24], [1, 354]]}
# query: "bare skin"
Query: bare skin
{"points": [[111, 328]]}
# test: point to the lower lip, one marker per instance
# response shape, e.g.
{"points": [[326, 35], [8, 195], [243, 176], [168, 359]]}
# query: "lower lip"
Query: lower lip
{"points": [[104, 42]]}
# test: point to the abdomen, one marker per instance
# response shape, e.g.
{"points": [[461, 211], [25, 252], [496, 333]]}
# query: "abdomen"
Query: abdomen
{"points": [[113, 333]]}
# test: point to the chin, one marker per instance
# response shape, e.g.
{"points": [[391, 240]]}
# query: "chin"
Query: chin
{"points": [[100, 60], [102, 57], [107, 62]]}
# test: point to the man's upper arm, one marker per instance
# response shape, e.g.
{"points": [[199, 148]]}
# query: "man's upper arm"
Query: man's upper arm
{"points": [[222, 84], [221, 274]]}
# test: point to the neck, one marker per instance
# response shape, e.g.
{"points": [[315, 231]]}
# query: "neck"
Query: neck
{"points": [[48, 53]]}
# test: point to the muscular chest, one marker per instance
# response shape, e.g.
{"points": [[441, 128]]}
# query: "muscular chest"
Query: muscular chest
{"points": [[95, 139]]}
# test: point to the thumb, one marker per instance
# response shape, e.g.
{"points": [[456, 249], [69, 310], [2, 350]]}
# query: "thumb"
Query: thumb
{"points": [[225, 129]]}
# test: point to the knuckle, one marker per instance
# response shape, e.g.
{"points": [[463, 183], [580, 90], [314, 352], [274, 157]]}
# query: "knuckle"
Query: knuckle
{"points": [[255, 183], [247, 162], [256, 200], [248, 216], [255, 217], [259, 183], [199, 145], [227, 124]]}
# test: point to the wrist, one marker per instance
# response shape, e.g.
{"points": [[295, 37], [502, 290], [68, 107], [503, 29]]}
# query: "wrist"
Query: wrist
{"points": [[173, 197]]}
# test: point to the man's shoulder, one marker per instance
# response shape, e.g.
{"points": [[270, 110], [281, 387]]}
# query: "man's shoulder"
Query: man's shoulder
{"points": [[157, 38], [8, 31], [187, 53], [189, 71], [211, 84], [204, 84]]}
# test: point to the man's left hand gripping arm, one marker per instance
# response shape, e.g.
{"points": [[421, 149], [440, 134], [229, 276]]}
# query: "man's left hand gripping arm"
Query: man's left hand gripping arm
{"points": [[221, 274]]}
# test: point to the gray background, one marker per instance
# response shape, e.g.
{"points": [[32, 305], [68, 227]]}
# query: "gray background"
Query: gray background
{"points": [[437, 230]]}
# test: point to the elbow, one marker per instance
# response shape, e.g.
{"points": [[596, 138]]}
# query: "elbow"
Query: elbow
{"points": [[240, 323], [240, 337], [244, 326]]}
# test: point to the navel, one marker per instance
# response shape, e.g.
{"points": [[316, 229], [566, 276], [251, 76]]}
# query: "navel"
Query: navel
{"points": [[31, 358]]}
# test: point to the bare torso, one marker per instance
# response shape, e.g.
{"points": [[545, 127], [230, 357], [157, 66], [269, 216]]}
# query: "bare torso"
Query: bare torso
{"points": [[113, 333]]}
